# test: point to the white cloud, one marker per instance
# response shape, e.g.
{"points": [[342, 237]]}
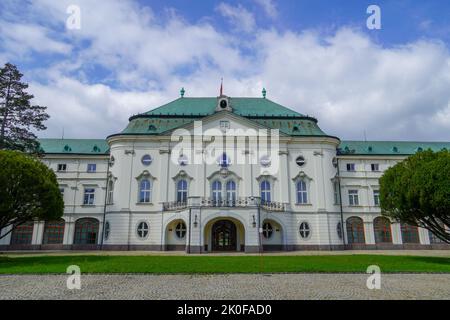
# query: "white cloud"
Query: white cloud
{"points": [[269, 8], [22, 38], [350, 83], [240, 18]]}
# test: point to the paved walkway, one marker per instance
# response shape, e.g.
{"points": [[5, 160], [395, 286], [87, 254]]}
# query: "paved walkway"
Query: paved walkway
{"points": [[429, 253], [245, 286]]}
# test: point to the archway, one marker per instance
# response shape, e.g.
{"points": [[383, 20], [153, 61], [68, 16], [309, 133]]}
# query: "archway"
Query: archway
{"points": [[224, 235], [176, 234], [272, 235]]}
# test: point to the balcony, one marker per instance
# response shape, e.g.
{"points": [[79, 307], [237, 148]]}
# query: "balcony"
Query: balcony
{"points": [[241, 202]]}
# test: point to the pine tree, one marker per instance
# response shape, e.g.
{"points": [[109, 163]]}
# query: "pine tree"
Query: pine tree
{"points": [[17, 115]]}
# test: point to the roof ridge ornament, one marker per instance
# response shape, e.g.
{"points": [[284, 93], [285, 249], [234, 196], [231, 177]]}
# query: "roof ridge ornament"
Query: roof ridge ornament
{"points": [[182, 91], [264, 92]]}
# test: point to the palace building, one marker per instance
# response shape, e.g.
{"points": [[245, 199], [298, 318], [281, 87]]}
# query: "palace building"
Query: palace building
{"points": [[222, 174]]}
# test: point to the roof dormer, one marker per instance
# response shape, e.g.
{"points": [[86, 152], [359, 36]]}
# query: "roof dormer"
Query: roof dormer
{"points": [[223, 104]]}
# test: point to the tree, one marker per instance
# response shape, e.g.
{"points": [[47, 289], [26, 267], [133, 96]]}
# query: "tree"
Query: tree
{"points": [[28, 190], [17, 115], [417, 191]]}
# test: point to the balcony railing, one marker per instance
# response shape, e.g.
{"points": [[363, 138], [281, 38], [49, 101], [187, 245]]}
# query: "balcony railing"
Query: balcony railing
{"points": [[242, 202], [173, 206]]}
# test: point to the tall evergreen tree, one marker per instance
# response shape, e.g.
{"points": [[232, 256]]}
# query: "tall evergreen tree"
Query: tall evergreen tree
{"points": [[17, 115]]}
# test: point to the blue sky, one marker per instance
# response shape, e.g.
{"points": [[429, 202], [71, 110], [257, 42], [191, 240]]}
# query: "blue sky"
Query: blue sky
{"points": [[317, 57]]}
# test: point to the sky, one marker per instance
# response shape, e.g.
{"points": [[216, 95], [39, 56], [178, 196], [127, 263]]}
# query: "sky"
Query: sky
{"points": [[317, 57]]}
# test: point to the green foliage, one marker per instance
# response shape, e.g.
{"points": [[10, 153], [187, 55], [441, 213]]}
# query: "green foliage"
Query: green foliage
{"points": [[28, 190], [417, 191], [17, 115]]}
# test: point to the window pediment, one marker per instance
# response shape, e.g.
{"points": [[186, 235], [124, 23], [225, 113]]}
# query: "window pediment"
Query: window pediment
{"points": [[182, 175], [302, 176], [224, 173], [145, 175]]}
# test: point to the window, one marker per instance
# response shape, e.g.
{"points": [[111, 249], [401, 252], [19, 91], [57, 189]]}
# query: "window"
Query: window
{"points": [[355, 231], [217, 192], [339, 230], [376, 197], [91, 167], [350, 167], [410, 234], [267, 230], [86, 231], [265, 191], [107, 230], [180, 230], [265, 161], [231, 192], [62, 167], [89, 196], [61, 190], [53, 232], [224, 161], [375, 167], [142, 229], [337, 199], [110, 198], [382, 229], [224, 125], [300, 161], [22, 234], [112, 160], [302, 194], [182, 191], [146, 160], [304, 230], [353, 199], [183, 160], [145, 189]]}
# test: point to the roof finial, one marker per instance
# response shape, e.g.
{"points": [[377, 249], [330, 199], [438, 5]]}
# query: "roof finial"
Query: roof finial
{"points": [[182, 91], [264, 92], [221, 87]]}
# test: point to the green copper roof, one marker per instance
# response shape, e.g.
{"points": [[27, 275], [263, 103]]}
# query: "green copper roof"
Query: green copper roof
{"points": [[74, 146], [183, 111], [388, 147], [254, 107]]}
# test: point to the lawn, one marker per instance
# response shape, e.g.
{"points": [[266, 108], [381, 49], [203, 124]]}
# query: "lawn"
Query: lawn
{"points": [[221, 264]]}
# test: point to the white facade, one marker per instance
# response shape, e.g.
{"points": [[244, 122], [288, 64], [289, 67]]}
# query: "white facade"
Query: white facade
{"points": [[148, 208]]}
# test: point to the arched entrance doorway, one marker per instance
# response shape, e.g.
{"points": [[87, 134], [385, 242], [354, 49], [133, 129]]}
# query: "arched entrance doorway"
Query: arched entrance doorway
{"points": [[224, 236]]}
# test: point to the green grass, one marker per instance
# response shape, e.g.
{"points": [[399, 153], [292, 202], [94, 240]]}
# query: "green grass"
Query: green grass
{"points": [[221, 264]]}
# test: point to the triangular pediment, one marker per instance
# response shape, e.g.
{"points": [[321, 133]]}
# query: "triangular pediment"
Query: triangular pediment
{"points": [[226, 122]]}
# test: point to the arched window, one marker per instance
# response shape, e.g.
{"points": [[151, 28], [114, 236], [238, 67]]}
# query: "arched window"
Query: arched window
{"points": [[302, 193], [182, 191], [22, 234], [410, 234], [355, 230], [110, 199], [145, 191], [265, 191], [217, 192], [231, 192], [53, 232], [86, 231], [382, 229]]}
